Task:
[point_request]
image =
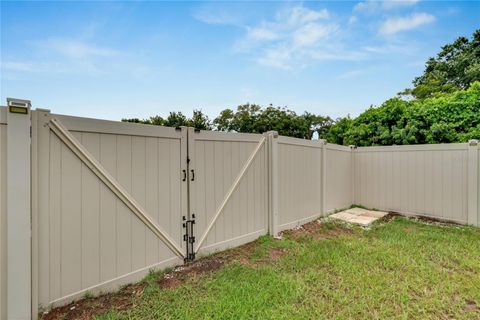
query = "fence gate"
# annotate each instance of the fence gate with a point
(228, 190)
(109, 199)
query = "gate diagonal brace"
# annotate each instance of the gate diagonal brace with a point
(79, 150)
(229, 194)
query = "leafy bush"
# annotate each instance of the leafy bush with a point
(447, 117)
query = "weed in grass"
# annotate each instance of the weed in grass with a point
(88, 295)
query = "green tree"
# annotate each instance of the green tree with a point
(252, 118)
(316, 123)
(200, 121)
(455, 67)
(224, 121)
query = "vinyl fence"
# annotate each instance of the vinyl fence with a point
(439, 181)
(109, 200)
(3, 213)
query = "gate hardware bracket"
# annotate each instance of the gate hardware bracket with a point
(189, 238)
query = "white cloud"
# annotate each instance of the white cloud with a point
(371, 6)
(73, 56)
(76, 49)
(351, 74)
(215, 14)
(294, 37)
(311, 33)
(297, 37)
(394, 25)
(17, 66)
(277, 58)
(299, 15)
(262, 33)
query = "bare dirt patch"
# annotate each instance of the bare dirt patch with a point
(471, 306)
(180, 274)
(317, 231)
(276, 253)
(428, 220)
(87, 309)
(389, 217)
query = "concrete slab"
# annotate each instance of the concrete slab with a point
(359, 216)
(356, 211)
(344, 215)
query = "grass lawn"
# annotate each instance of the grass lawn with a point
(401, 268)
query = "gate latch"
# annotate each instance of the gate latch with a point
(189, 239)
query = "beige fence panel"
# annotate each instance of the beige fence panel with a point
(228, 181)
(3, 213)
(109, 198)
(299, 181)
(339, 177)
(88, 238)
(428, 180)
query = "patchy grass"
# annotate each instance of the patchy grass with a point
(400, 268)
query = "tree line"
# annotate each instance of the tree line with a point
(443, 106)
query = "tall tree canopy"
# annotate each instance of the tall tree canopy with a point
(455, 67)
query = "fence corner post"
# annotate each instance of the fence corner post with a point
(19, 284)
(352, 172)
(323, 170)
(272, 139)
(473, 215)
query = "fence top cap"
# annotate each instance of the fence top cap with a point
(42, 110)
(272, 132)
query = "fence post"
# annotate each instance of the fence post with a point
(272, 137)
(352, 172)
(323, 170)
(18, 209)
(472, 196)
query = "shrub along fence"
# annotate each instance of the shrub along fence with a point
(88, 205)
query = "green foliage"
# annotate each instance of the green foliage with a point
(456, 67)
(447, 117)
(252, 118)
(177, 119)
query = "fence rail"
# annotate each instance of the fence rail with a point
(111, 200)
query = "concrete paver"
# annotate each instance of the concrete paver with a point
(360, 216)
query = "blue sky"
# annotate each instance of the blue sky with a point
(136, 59)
